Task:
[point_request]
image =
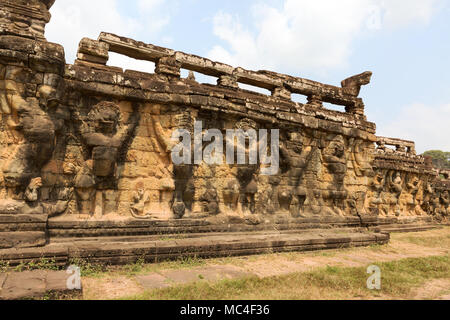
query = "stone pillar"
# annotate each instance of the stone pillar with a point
(228, 81)
(92, 51)
(357, 108)
(282, 92)
(169, 66)
(315, 100)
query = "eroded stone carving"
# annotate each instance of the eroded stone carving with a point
(336, 164)
(105, 139)
(89, 141)
(25, 18)
(353, 84)
(294, 157)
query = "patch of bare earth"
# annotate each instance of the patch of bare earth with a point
(433, 290)
(109, 288)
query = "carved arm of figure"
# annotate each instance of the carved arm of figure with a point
(358, 157)
(163, 138)
(429, 189)
(140, 198)
(413, 185)
(32, 191)
(377, 184)
(58, 208)
(445, 199)
(396, 183)
(284, 154)
(10, 105)
(124, 132)
(11, 100)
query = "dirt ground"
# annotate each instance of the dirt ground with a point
(115, 284)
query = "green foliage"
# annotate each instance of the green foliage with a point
(88, 269)
(4, 266)
(440, 158)
(41, 264)
(135, 268)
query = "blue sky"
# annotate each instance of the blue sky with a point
(404, 42)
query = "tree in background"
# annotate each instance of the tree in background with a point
(440, 158)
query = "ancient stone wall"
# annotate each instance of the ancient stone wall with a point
(89, 141)
(324, 155)
(405, 183)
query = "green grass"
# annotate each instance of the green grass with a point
(88, 269)
(442, 241)
(139, 267)
(438, 238)
(399, 278)
(4, 266)
(41, 264)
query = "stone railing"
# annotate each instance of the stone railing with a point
(398, 154)
(170, 63)
(402, 147)
(405, 183)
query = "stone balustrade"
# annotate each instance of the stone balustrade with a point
(403, 147)
(170, 62)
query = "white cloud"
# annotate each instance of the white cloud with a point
(400, 13)
(310, 35)
(154, 14)
(74, 19)
(428, 126)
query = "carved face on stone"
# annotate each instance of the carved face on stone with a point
(105, 118)
(50, 95)
(379, 178)
(246, 124)
(337, 147)
(295, 143)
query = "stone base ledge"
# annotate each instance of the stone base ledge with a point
(403, 228)
(92, 228)
(122, 251)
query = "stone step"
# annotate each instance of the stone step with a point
(403, 228)
(180, 236)
(129, 250)
(35, 284)
(84, 229)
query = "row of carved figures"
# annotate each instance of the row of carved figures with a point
(399, 193)
(311, 180)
